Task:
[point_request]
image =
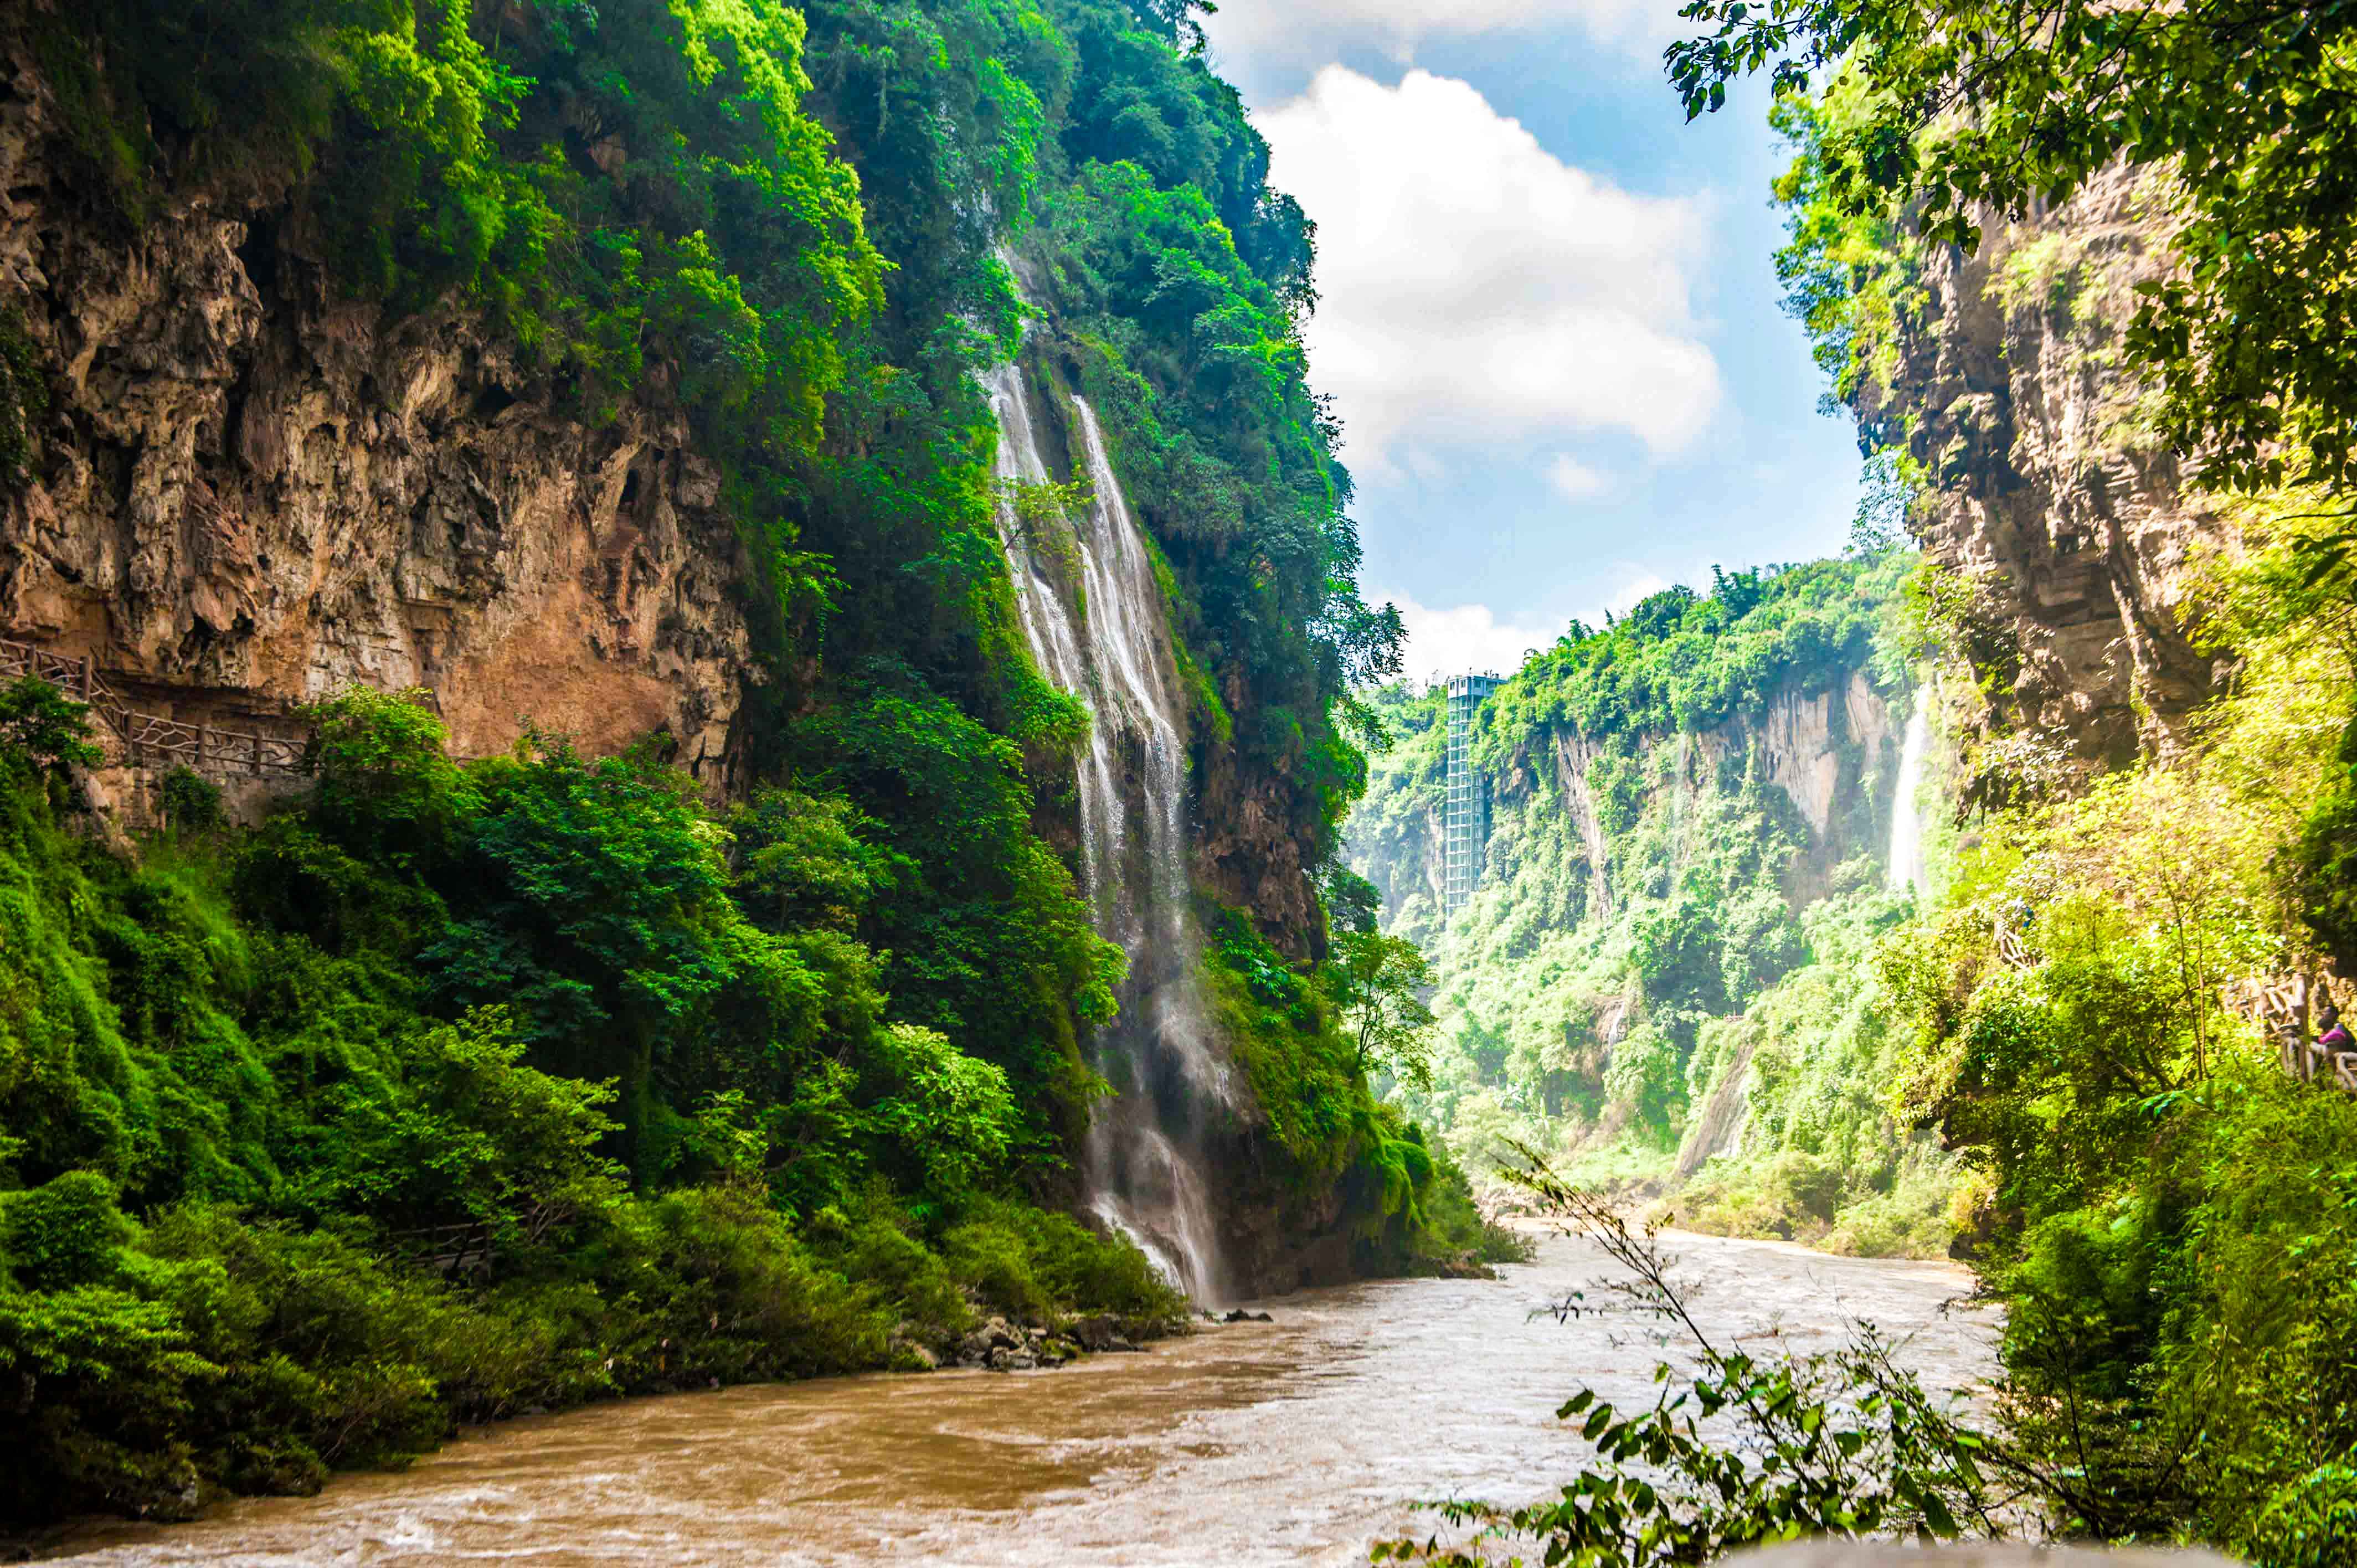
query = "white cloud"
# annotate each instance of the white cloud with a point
(1574, 481)
(1312, 31)
(1475, 288)
(1468, 637)
(1643, 586)
(1443, 642)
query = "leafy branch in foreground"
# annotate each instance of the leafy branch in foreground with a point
(1847, 1443)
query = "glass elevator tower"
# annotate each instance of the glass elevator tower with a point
(1466, 829)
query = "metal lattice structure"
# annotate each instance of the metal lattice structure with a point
(1466, 831)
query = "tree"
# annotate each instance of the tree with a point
(598, 896)
(43, 731)
(480, 1135)
(1846, 1445)
(1379, 983)
(387, 786)
(1973, 107)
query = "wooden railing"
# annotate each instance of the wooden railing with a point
(19, 659)
(151, 740)
(471, 1247)
(2284, 1007)
(448, 1250)
(2012, 950)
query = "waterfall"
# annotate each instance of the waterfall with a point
(1142, 1159)
(1906, 867)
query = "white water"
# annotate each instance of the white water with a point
(1143, 1159)
(1906, 867)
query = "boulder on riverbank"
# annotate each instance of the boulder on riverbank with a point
(1008, 1347)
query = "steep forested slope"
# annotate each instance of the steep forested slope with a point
(2079, 272)
(1664, 966)
(690, 980)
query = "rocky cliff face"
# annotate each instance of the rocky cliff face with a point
(1832, 755)
(2061, 512)
(248, 492)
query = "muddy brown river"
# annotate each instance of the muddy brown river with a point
(1284, 1443)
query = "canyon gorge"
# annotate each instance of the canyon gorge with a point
(712, 848)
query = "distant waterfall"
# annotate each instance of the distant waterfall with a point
(1906, 868)
(1142, 1159)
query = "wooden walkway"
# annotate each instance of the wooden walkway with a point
(2284, 1007)
(151, 740)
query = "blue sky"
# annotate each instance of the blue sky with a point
(1549, 313)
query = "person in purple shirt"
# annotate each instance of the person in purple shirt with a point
(2332, 1037)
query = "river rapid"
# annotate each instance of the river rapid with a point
(1292, 1442)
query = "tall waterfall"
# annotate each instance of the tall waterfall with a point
(1143, 1161)
(1906, 868)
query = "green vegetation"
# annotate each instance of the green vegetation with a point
(464, 1089)
(2162, 1210)
(1682, 661)
(1965, 109)
(456, 1089)
(1847, 1444)
(1413, 1205)
(1668, 961)
(2158, 1204)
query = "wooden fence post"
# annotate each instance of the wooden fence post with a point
(2298, 1029)
(89, 674)
(201, 748)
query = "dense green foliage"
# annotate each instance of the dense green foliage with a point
(1412, 1204)
(462, 1088)
(1684, 660)
(2162, 1209)
(1849, 272)
(793, 225)
(1665, 953)
(1968, 107)
(2158, 1205)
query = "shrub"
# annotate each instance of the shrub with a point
(191, 802)
(2312, 1524)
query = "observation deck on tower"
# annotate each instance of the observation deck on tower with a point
(1466, 829)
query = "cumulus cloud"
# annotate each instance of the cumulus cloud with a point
(1442, 642)
(1474, 287)
(1643, 585)
(1574, 481)
(1317, 30)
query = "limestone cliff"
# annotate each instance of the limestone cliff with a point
(248, 491)
(1688, 808)
(2063, 515)
(1830, 756)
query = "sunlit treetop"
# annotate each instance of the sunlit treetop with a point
(1978, 109)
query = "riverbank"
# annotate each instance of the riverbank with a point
(1258, 1445)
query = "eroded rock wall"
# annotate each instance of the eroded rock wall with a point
(248, 492)
(1834, 754)
(2054, 500)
